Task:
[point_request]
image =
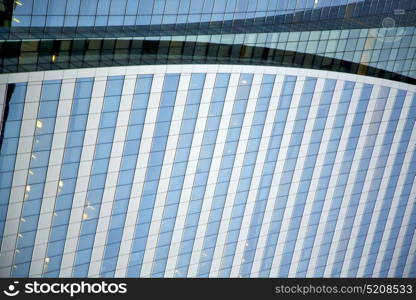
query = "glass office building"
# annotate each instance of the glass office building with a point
(188, 138)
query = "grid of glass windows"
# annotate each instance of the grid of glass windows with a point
(36, 176)
(306, 176)
(241, 196)
(360, 206)
(126, 175)
(405, 136)
(178, 173)
(287, 174)
(363, 162)
(154, 167)
(343, 176)
(372, 51)
(202, 173)
(324, 177)
(12, 120)
(390, 49)
(98, 175)
(376, 182)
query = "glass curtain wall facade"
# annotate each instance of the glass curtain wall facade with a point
(189, 138)
(367, 37)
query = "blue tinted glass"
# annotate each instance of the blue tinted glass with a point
(41, 7)
(224, 174)
(8, 146)
(178, 172)
(148, 196)
(265, 181)
(56, 7)
(143, 85)
(72, 7)
(340, 189)
(99, 169)
(246, 175)
(36, 177)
